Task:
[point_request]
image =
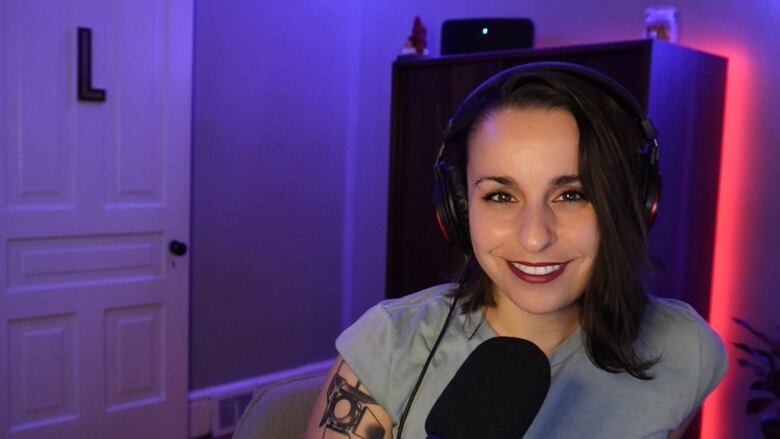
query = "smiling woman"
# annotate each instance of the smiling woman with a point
(547, 178)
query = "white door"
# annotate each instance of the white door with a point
(93, 305)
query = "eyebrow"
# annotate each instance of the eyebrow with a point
(561, 180)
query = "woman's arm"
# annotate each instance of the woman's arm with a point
(345, 409)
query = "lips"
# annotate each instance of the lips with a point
(537, 272)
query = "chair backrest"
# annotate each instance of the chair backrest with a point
(280, 410)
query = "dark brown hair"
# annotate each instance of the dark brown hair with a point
(613, 303)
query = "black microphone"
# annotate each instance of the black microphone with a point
(495, 394)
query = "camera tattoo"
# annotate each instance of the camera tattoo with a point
(348, 410)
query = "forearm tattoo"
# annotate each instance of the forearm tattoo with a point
(349, 410)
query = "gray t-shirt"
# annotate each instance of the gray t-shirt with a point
(388, 345)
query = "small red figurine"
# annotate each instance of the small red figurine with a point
(418, 40)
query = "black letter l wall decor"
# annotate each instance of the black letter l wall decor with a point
(85, 90)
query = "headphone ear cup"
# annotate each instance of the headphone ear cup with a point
(451, 206)
(652, 196)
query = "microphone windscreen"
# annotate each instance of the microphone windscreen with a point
(496, 393)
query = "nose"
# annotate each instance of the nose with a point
(536, 231)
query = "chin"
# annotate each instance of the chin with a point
(542, 303)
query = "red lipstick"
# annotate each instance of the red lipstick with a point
(537, 278)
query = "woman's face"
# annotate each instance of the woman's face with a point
(533, 231)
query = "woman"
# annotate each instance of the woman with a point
(545, 190)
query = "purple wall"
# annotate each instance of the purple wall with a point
(291, 135)
(269, 145)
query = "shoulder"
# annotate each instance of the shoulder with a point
(419, 307)
(685, 344)
(390, 324)
(674, 320)
(393, 329)
(405, 313)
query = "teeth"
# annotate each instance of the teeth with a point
(536, 271)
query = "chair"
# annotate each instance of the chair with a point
(280, 410)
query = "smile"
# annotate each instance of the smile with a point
(538, 272)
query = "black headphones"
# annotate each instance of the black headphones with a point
(449, 199)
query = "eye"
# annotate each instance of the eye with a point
(499, 197)
(571, 196)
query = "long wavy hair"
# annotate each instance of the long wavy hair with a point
(613, 303)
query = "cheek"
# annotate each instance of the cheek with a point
(585, 236)
(486, 232)
(476, 228)
(479, 224)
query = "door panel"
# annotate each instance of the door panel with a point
(43, 366)
(134, 339)
(38, 139)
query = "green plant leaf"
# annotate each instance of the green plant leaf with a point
(759, 354)
(747, 326)
(764, 357)
(758, 370)
(756, 405)
(760, 385)
(773, 382)
(773, 343)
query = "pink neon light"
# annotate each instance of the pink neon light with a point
(735, 160)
